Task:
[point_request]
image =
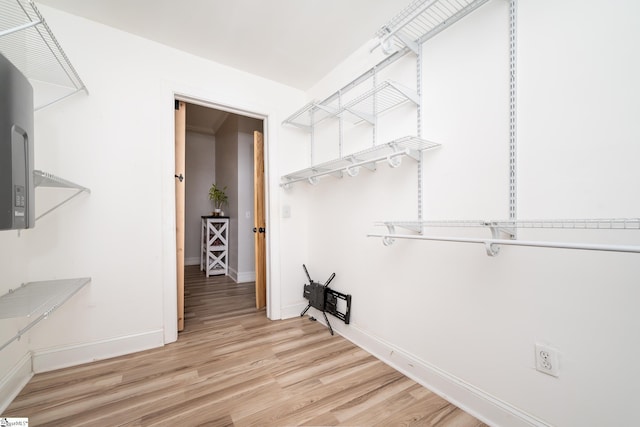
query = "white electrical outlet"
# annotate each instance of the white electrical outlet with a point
(547, 360)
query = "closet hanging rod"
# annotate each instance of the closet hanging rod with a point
(492, 251)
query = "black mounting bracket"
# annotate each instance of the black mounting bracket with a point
(322, 298)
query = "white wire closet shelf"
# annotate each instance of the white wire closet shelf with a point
(27, 41)
(385, 96)
(392, 152)
(588, 224)
(422, 20)
(311, 114)
(44, 179)
(405, 33)
(509, 226)
(37, 300)
(417, 23)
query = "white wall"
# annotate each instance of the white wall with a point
(457, 320)
(444, 313)
(118, 141)
(227, 178)
(201, 170)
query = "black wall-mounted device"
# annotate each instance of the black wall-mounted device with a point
(325, 299)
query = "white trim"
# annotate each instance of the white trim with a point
(168, 215)
(170, 91)
(14, 381)
(294, 310)
(242, 277)
(63, 357)
(233, 275)
(246, 276)
(192, 261)
(487, 408)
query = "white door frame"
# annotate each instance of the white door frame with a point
(171, 92)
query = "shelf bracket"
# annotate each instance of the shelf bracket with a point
(298, 125)
(44, 179)
(408, 93)
(356, 163)
(369, 118)
(414, 154)
(492, 248)
(330, 110)
(386, 240)
(411, 44)
(371, 165)
(497, 228)
(394, 159)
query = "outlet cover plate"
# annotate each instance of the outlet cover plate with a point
(547, 360)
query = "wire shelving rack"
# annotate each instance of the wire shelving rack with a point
(36, 301)
(417, 23)
(27, 41)
(391, 152)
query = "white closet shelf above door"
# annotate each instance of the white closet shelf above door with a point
(27, 41)
(391, 152)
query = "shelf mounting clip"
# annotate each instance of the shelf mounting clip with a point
(496, 228)
(386, 240)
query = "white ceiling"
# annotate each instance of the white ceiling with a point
(295, 42)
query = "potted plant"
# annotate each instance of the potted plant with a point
(219, 198)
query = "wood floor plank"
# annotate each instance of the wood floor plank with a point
(231, 366)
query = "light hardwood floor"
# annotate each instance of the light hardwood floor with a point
(233, 366)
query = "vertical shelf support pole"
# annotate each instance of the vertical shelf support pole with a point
(374, 131)
(419, 128)
(340, 126)
(513, 160)
(311, 138)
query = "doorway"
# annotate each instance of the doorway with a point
(219, 148)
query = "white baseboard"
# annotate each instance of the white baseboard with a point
(63, 357)
(485, 407)
(246, 276)
(192, 261)
(14, 381)
(291, 311)
(243, 276)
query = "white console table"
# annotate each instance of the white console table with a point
(214, 245)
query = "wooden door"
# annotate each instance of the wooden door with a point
(181, 110)
(259, 220)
